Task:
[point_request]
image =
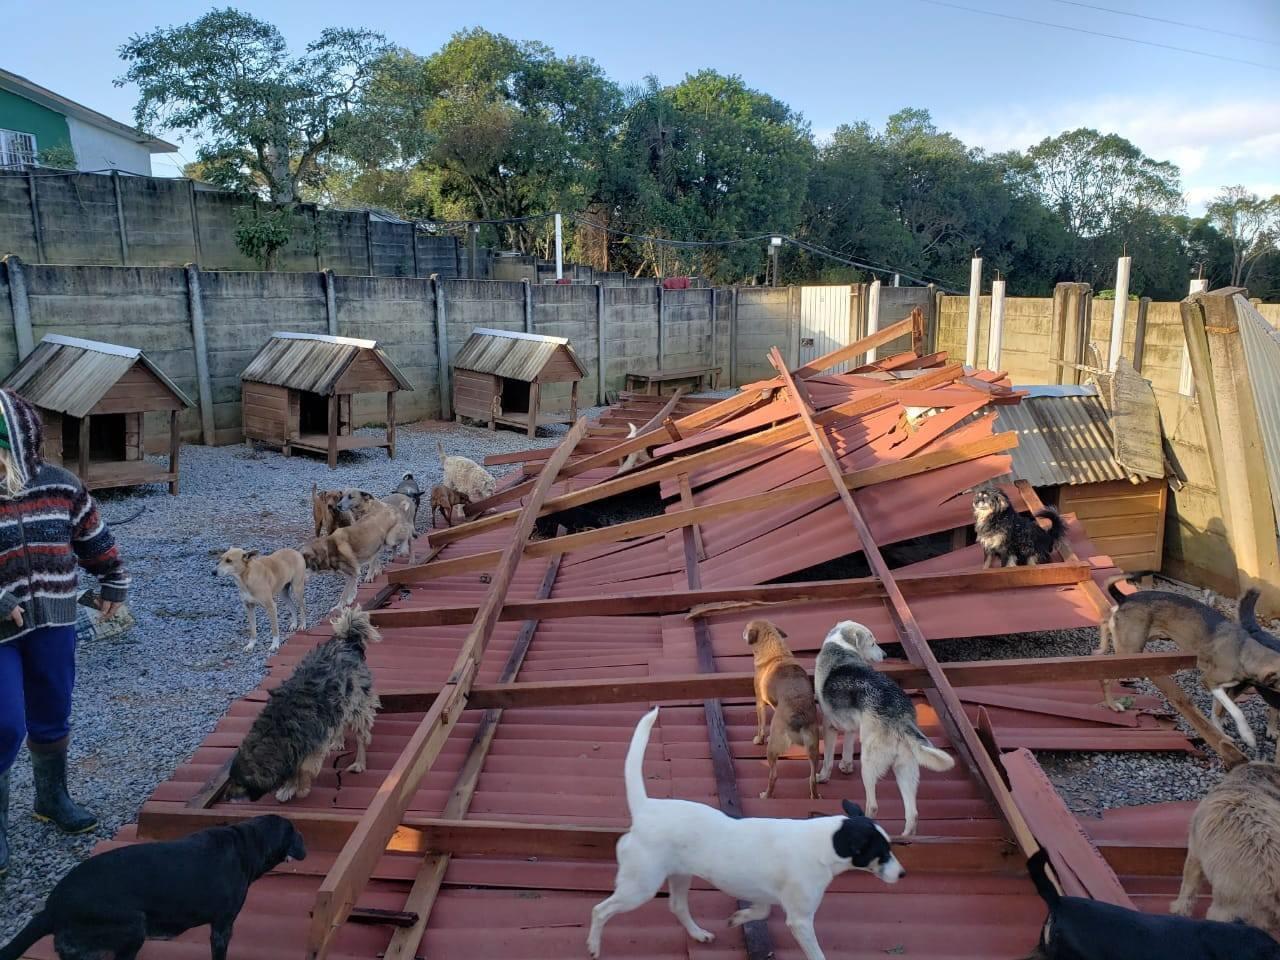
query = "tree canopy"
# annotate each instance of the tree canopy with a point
(504, 131)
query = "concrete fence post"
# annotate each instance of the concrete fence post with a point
(124, 239)
(793, 326)
(931, 320)
(873, 317)
(36, 229)
(975, 297)
(20, 303)
(1119, 311)
(1140, 333)
(368, 240)
(733, 336)
(528, 304)
(715, 354)
(196, 245)
(442, 350)
(204, 386)
(995, 338)
(330, 301)
(600, 342)
(662, 322)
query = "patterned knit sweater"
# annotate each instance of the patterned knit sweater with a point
(45, 532)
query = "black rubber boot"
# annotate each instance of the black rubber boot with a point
(53, 803)
(4, 823)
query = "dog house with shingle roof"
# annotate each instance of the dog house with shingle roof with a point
(498, 377)
(92, 397)
(297, 393)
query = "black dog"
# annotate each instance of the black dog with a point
(110, 904)
(1082, 929)
(1007, 537)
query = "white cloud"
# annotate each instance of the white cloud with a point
(1214, 143)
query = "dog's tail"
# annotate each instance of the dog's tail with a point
(1119, 597)
(440, 450)
(1249, 611)
(1040, 877)
(41, 926)
(1057, 526)
(352, 626)
(929, 756)
(633, 772)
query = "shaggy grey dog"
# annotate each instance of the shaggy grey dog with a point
(409, 488)
(309, 715)
(1008, 538)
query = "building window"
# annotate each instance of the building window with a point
(17, 149)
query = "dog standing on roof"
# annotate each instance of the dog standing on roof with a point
(783, 684)
(1008, 538)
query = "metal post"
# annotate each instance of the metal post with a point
(330, 301)
(20, 305)
(559, 249)
(195, 309)
(873, 317)
(1119, 310)
(995, 339)
(36, 229)
(442, 350)
(124, 240)
(600, 342)
(975, 296)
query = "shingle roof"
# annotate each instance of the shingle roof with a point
(313, 362)
(505, 353)
(69, 375)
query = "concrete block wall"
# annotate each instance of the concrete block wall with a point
(569, 310)
(765, 320)
(17, 228)
(78, 219)
(631, 332)
(687, 328)
(158, 221)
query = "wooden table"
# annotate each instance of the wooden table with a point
(651, 380)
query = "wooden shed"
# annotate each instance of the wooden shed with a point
(92, 397)
(1067, 450)
(498, 377)
(298, 393)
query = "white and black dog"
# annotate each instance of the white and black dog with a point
(1008, 538)
(857, 699)
(762, 861)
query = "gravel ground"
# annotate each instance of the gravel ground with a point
(144, 701)
(1093, 782)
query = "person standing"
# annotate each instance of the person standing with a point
(48, 525)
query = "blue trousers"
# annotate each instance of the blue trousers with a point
(37, 674)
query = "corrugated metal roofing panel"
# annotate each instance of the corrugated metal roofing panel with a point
(312, 362)
(70, 375)
(1262, 355)
(516, 356)
(1061, 439)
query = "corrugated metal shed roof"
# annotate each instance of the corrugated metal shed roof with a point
(506, 353)
(1262, 355)
(69, 375)
(313, 362)
(1064, 437)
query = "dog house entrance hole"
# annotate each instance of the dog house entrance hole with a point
(515, 396)
(106, 438)
(313, 413)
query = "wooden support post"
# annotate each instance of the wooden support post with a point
(354, 866)
(535, 397)
(573, 401)
(918, 332)
(120, 224)
(333, 431)
(391, 424)
(175, 443)
(443, 377)
(945, 701)
(37, 228)
(20, 304)
(83, 465)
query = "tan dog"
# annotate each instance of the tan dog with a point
(394, 511)
(347, 549)
(783, 684)
(444, 500)
(325, 512)
(1235, 845)
(260, 579)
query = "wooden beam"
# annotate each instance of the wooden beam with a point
(1215, 738)
(855, 349)
(427, 884)
(354, 865)
(735, 686)
(945, 701)
(624, 604)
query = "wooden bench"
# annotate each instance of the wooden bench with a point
(651, 380)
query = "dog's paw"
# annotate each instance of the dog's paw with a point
(1180, 908)
(824, 777)
(248, 647)
(846, 766)
(765, 795)
(286, 793)
(739, 917)
(593, 948)
(703, 936)
(757, 740)
(354, 768)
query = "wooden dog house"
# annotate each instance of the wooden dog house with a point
(298, 390)
(498, 377)
(92, 397)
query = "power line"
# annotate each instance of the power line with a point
(1099, 33)
(1174, 23)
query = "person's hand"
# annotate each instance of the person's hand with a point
(16, 615)
(108, 608)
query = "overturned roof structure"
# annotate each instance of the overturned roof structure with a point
(513, 671)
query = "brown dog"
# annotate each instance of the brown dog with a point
(260, 578)
(783, 684)
(325, 512)
(444, 500)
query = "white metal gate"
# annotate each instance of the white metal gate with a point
(825, 322)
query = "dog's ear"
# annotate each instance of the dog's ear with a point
(250, 553)
(851, 809)
(781, 633)
(752, 634)
(297, 849)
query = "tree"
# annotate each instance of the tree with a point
(266, 120)
(1251, 224)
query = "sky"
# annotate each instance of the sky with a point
(997, 83)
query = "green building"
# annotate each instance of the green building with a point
(34, 121)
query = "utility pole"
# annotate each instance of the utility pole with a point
(775, 244)
(559, 249)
